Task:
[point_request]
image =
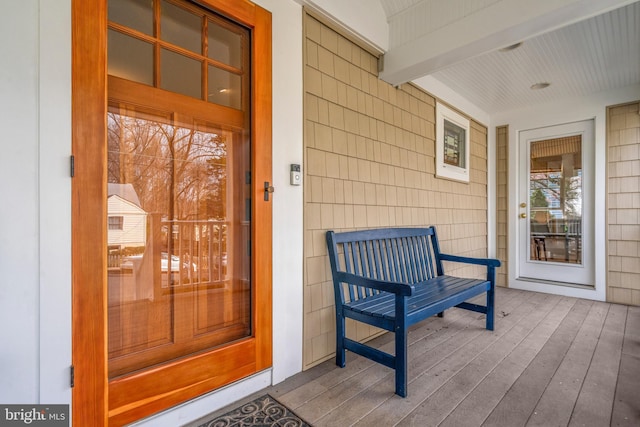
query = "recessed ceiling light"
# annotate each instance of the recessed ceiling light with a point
(540, 86)
(512, 47)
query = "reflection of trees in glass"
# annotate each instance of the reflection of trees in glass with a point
(545, 186)
(573, 204)
(554, 190)
(538, 199)
(178, 172)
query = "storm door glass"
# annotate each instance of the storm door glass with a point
(178, 274)
(178, 184)
(556, 205)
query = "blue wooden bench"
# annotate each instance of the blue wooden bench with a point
(393, 278)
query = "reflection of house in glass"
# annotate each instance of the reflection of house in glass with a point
(127, 220)
(142, 244)
(126, 239)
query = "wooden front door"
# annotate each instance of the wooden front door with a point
(171, 229)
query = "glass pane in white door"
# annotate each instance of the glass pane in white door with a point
(555, 200)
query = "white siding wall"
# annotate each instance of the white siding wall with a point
(35, 260)
(134, 223)
(19, 296)
(133, 231)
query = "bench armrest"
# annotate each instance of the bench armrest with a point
(381, 285)
(489, 262)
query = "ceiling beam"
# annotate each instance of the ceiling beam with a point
(502, 24)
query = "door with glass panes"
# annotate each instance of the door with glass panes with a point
(180, 175)
(555, 212)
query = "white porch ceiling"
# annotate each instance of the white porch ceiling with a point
(594, 54)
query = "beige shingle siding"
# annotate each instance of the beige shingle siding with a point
(369, 162)
(623, 204)
(502, 199)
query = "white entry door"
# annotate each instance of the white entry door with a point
(556, 204)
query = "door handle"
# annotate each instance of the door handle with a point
(268, 189)
(523, 215)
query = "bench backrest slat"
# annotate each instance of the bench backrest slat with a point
(415, 262)
(426, 256)
(406, 255)
(387, 259)
(416, 268)
(350, 259)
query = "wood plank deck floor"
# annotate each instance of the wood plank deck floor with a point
(551, 361)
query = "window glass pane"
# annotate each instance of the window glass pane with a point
(225, 45)
(116, 222)
(555, 196)
(454, 144)
(136, 14)
(225, 88)
(181, 27)
(180, 74)
(130, 58)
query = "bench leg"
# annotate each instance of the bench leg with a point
(401, 361)
(491, 296)
(341, 359)
(441, 314)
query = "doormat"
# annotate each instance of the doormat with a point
(264, 411)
